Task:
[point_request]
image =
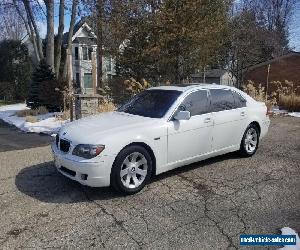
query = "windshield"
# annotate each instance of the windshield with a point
(151, 103)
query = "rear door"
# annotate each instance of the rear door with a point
(228, 117)
(187, 139)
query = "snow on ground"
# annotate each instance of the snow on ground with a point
(47, 123)
(294, 114)
(278, 111)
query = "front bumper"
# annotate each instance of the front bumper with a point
(94, 172)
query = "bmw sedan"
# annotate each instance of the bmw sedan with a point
(158, 130)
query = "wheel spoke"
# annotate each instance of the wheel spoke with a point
(124, 172)
(126, 161)
(141, 162)
(135, 181)
(127, 181)
(141, 172)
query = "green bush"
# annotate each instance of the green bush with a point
(15, 70)
(43, 89)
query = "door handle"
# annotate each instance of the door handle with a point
(243, 113)
(207, 120)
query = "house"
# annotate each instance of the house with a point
(217, 76)
(286, 67)
(83, 44)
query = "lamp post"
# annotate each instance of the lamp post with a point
(267, 87)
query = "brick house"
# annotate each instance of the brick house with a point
(286, 67)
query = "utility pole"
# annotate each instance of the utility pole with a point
(267, 87)
(94, 72)
(70, 82)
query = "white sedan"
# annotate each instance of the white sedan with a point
(158, 130)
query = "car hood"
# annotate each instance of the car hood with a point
(90, 129)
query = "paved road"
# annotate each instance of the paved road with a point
(201, 206)
(13, 139)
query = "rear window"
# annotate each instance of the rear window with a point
(240, 101)
(222, 99)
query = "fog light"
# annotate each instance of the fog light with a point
(83, 177)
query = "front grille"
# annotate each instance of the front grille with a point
(67, 171)
(64, 145)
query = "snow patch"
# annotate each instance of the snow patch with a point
(47, 124)
(294, 114)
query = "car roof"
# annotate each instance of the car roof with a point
(186, 87)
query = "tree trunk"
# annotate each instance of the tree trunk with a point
(29, 30)
(60, 36)
(36, 31)
(70, 35)
(50, 33)
(100, 16)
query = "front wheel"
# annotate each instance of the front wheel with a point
(249, 143)
(131, 170)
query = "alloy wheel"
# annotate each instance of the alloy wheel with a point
(134, 170)
(251, 140)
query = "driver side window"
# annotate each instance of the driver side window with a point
(196, 103)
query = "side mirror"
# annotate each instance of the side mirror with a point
(182, 115)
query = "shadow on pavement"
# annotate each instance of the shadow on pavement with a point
(11, 138)
(44, 183)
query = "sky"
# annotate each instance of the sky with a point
(294, 26)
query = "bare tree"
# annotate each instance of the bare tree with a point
(60, 36)
(50, 33)
(71, 29)
(11, 24)
(33, 26)
(259, 31)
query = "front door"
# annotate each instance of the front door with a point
(88, 83)
(191, 138)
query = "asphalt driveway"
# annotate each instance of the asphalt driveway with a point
(13, 139)
(206, 205)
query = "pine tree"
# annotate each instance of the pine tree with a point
(43, 73)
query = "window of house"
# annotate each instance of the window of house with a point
(109, 64)
(90, 50)
(77, 80)
(76, 53)
(85, 53)
(88, 80)
(196, 102)
(221, 99)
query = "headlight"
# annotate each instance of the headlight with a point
(88, 151)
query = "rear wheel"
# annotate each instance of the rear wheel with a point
(249, 143)
(131, 170)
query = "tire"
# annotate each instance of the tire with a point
(131, 170)
(250, 141)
